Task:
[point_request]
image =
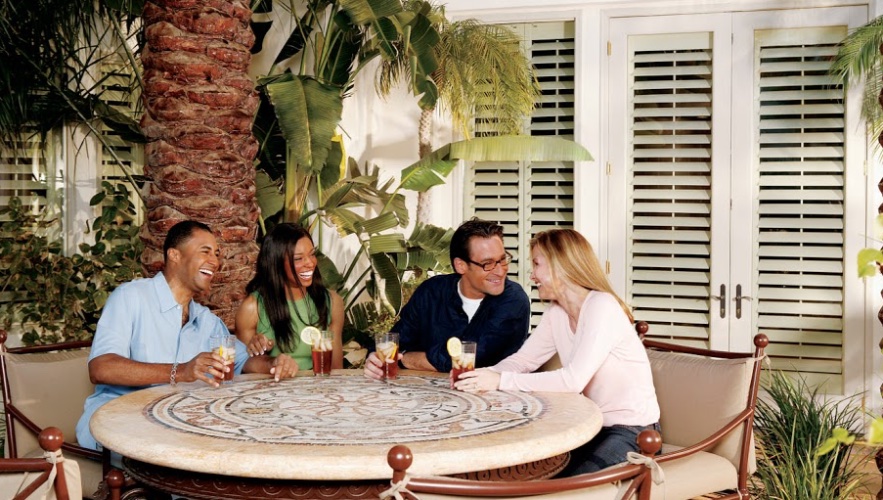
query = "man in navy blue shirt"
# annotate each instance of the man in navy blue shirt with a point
(476, 303)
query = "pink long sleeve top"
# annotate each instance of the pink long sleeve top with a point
(603, 359)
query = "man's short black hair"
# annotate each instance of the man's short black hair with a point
(474, 227)
(180, 233)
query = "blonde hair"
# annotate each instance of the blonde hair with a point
(572, 259)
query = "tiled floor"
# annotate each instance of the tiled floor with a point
(871, 480)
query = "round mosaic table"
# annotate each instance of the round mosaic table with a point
(335, 429)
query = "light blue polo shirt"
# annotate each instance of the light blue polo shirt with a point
(141, 321)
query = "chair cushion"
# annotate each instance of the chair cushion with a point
(12, 483)
(50, 389)
(698, 395)
(695, 475)
(90, 472)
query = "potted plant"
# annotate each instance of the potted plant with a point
(796, 457)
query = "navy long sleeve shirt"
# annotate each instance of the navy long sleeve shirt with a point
(435, 313)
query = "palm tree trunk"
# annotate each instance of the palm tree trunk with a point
(424, 147)
(199, 106)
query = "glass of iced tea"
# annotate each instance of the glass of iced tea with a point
(322, 347)
(225, 347)
(465, 362)
(387, 346)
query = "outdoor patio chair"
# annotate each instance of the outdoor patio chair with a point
(45, 478)
(43, 386)
(707, 401)
(629, 480)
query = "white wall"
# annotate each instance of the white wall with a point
(383, 132)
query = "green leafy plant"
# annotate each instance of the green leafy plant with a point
(303, 90)
(792, 426)
(375, 281)
(55, 297)
(53, 56)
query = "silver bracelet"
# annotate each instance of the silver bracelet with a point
(173, 374)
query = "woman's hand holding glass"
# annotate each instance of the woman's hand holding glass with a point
(483, 379)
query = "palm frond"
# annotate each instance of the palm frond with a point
(858, 60)
(481, 71)
(35, 72)
(859, 52)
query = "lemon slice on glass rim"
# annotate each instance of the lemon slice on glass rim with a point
(455, 348)
(310, 334)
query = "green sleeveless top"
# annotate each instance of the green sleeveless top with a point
(301, 308)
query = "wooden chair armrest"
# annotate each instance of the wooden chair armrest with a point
(400, 458)
(50, 440)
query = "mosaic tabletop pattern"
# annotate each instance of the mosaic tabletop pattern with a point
(340, 427)
(326, 411)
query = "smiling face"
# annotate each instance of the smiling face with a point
(193, 263)
(541, 275)
(304, 262)
(475, 282)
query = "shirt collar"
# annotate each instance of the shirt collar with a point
(167, 301)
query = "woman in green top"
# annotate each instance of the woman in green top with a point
(287, 295)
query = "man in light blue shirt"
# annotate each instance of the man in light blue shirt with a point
(152, 332)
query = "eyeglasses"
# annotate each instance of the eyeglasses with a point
(492, 264)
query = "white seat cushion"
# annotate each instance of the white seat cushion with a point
(699, 395)
(694, 475)
(12, 483)
(50, 389)
(90, 472)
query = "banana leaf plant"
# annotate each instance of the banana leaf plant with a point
(303, 92)
(390, 254)
(385, 258)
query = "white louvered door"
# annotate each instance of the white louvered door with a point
(532, 197)
(731, 172)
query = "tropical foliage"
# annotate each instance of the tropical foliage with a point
(302, 157)
(792, 425)
(482, 72)
(57, 297)
(48, 84)
(303, 91)
(858, 61)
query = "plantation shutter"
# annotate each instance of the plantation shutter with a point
(800, 192)
(24, 173)
(670, 118)
(733, 172)
(120, 157)
(527, 198)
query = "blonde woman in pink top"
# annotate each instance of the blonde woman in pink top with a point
(592, 331)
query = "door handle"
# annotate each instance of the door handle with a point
(722, 298)
(738, 299)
